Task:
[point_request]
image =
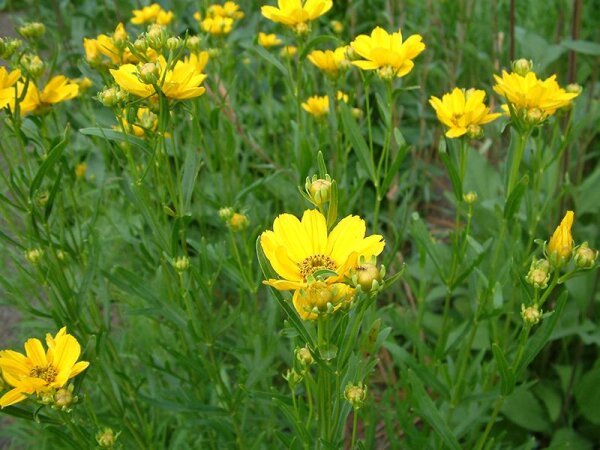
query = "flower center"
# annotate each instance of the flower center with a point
(316, 262)
(47, 373)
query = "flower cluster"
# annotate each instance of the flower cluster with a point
(219, 19)
(316, 264)
(152, 14)
(297, 14)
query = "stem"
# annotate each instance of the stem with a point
(354, 426)
(490, 424)
(516, 162)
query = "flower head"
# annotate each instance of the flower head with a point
(39, 371)
(217, 25)
(152, 14)
(332, 62)
(268, 40)
(560, 246)
(297, 249)
(58, 89)
(228, 9)
(531, 98)
(7, 81)
(181, 82)
(296, 14)
(463, 112)
(387, 53)
(317, 105)
(319, 298)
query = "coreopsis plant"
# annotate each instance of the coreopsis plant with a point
(463, 112)
(331, 62)
(38, 371)
(389, 54)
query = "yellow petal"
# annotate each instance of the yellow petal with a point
(11, 397)
(35, 352)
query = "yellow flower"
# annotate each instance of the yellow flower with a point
(40, 371)
(80, 170)
(387, 53)
(58, 89)
(146, 120)
(217, 26)
(297, 249)
(228, 9)
(316, 297)
(268, 40)
(317, 105)
(296, 14)
(180, 82)
(289, 50)
(199, 60)
(152, 14)
(7, 81)
(330, 62)
(463, 112)
(560, 246)
(531, 96)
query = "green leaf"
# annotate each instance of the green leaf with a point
(191, 167)
(513, 202)
(428, 411)
(117, 136)
(358, 141)
(452, 172)
(393, 170)
(507, 376)
(587, 395)
(264, 54)
(525, 410)
(53, 156)
(423, 238)
(585, 47)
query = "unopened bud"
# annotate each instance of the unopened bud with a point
(387, 73)
(141, 45)
(149, 73)
(292, 377)
(574, 88)
(120, 37)
(32, 30)
(535, 116)
(474, 131)
(304, 356)
(531, 315)
(193, 44)
(522, 66)
(318, 189)
(111, 96)
(106, 438)
(302, 29)
(355, 394)
(80, 170)
(63, 398)
(173, 43)
(585, 257)
(539, 273)
(8, 47)
(225, 213)
(33, 65)
(470, 197)
(34, 255)
(181, 264)
(337, 26)
(367, 276)
(156, 36)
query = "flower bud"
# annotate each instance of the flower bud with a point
(34, 255)
(539, 274)
(193, 44)
(531, 315)
(8, 47)
(302, 29)
(289, 51)
(470, 197)
(535, 116)
(111, 96)
(141, 45)
(585, 257)
(522, 66)
(355, 394)
(474, 131)
(574, 88)
(173, 43)
(63, 398)
(32, 30)
(238, 222)
(149, 73)
(337, 26)
(304, 356)
(156, 36)
(33, 65)
(318, 189)
(367, 276)
(225, 213)
(387, 73)
(356, 113)
(560, 246)
(84, 83)
(292, 377)
(181, 264)
(214, 52)
(106, 438)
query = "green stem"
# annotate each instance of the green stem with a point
(354, 427)
(516, 162)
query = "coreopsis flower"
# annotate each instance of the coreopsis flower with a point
(531, 314)
(387, 53)
(268, 40)
(217, 25)
(532, 99)
(40, 372)
(296, 14)
(560, 246)
(332, 62)
(297, 248)
(7, 82)
(317, 105)
(463, 112)
(152, 14)
(58, 89)
(180, 82)
(228, 9)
